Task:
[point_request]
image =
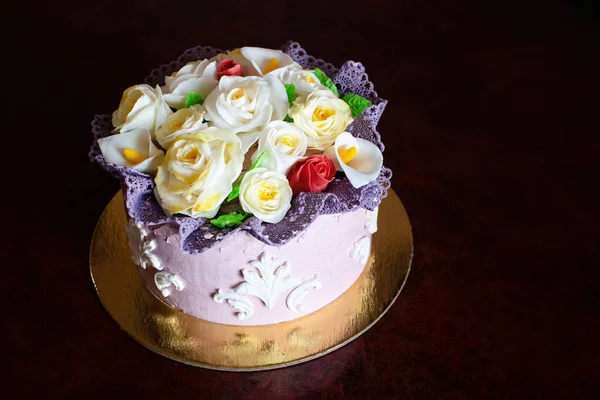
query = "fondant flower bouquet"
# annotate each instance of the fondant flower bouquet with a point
(253, 138)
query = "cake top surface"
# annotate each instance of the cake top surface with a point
(254, 139)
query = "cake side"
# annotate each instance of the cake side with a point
(243, 281)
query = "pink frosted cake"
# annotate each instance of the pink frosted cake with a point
(252, 180)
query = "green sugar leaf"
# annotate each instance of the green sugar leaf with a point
(193, 98)
(357, 103)
(227, 220)
(325, 81)
(256, 163)
(290, 89)
(235, 193)
(288, 119)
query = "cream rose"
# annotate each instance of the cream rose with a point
(266, 194)
(305, 81)
(197, 76)
(321, 116)
(198, 172)
(182, 122)
(141, 107)
(245, 105)
(133, 149)
(284, 143)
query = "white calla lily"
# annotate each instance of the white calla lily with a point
(132, 149)
(182, 122)
(141, 107)
(264, 61)
(266, 194)
(245, 105)
(304, 81)
(197, 76)
(359, 159)
(198, 172)
(284, 143)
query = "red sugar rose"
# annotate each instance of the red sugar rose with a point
(312, 174)
(229, 68)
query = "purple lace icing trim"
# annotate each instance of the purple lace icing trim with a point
(197, 235)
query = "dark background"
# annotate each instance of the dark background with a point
(491, 131)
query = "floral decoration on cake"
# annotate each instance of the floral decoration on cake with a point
(256, 139)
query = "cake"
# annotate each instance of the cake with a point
(251, 178)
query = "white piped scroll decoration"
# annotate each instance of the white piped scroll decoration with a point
(141, 248)
(165, 282)
(269, 281)
(371, 220)
(240, 303)
(361, 250)
(298, 295)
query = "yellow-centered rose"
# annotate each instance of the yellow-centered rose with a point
(304, 81)
(245, 105)
(322, 117)
(266, 194)
(284, 143)
(198, 172)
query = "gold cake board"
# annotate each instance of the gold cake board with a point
(194, 341)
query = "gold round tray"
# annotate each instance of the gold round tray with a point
(194, 341)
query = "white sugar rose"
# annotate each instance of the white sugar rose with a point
(284, 144)
(245, 105)
(182, 122)
(266, 194)
(198, 172)
(197, 76)
(321, 116)
(141, 107)
(305, 81)
(132, 149)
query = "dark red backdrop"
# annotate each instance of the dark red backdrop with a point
(491, 130)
